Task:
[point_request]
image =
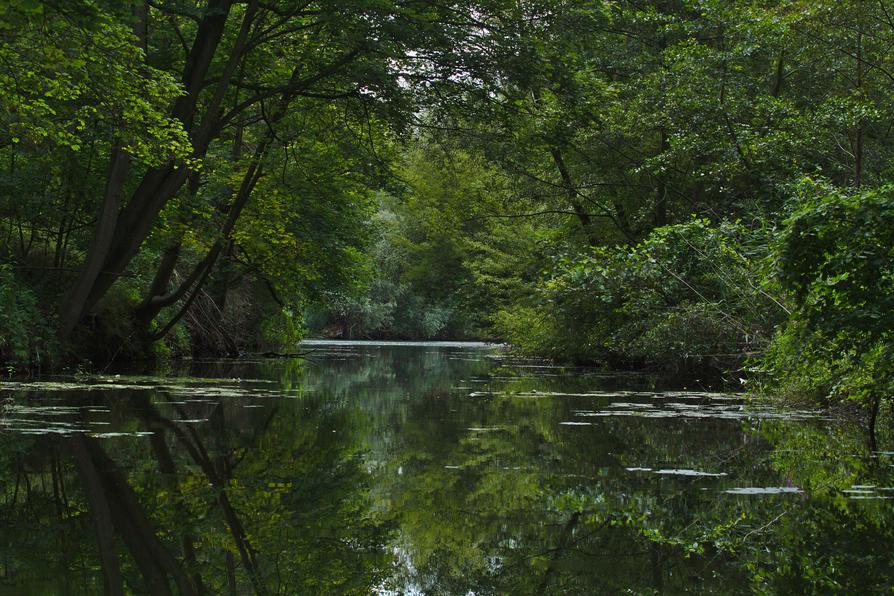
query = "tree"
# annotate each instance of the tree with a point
(241, 66)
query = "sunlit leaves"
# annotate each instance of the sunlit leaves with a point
(63, 79)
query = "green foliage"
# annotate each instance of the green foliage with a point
(281, 330)
(70, 72)
(836, 263)
(685, 294)
(25, 335)
(424, 254)
(111, 335)
(836, 266)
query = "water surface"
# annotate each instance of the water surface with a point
(429, 469)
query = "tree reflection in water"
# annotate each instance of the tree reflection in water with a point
(437, 471)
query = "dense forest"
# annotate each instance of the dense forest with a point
(672, 184)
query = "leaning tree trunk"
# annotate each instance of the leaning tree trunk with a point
(121, 232)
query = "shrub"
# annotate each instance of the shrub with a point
(834, 261)
(687, 293)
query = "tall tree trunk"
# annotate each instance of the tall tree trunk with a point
(160, 283)
(874, 406)
(194, 282)
(197, 278)
(72, 309)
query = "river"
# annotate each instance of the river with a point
(429, 468)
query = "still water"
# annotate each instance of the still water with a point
(429, 469)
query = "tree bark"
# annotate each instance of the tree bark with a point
(159, 286)
(73, 310)
(780, 75)
(193, 283)
(159, 185)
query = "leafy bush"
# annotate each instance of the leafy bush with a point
(687, 293)
(835, 263)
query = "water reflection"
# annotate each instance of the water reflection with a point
(428, 469)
